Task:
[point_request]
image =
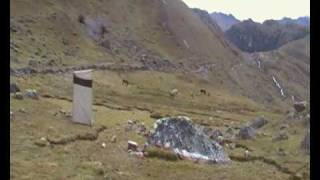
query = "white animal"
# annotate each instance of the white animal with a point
(246, 154)
(174, 92)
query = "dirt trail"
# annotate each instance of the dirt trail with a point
(69, 69)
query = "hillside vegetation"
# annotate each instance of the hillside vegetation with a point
(155, 46)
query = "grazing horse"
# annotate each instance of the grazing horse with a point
(203, 91)
(125, 82)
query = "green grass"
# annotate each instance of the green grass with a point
(74, 160)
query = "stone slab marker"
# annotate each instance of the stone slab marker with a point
(82, 97)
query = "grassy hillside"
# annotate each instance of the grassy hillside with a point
(177, 49)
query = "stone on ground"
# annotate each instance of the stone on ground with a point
(186, 140)
(247, 132)
(259, 122)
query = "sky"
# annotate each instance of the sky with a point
(257, 10)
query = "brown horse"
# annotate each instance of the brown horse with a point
(125, 82)
(203, 91)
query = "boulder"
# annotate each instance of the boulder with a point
(187, 140)
(14, 88)
(259, 122)
(300, 106)
(247, 132)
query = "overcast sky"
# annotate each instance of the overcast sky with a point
(257, 10)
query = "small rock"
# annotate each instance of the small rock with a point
(22, 110)
(32, 93)
(113, 139)
(305, 144)
(284, 126)
(230, 131)
(103, 145)
(246, 133)
(300, 106)
(62, 111)
(296, 176)
(130, 122)
(259, 122)
(282, 135)
(281, 152)
(14, 88)
(156, 115)
(133, 146)
(232, 145)
(42, 142)
(18, 96)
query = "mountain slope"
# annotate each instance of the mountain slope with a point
(291, 64)
(155, 46)
(224, 21)
(172, 38)
(250, 36)
(303, 21)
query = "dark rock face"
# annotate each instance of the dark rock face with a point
(250, 36)
(247, 133)
(186, 139)
(259, 123)
(14, 88)
(305, 144)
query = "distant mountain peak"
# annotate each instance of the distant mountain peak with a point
(225, 21)
(302, 21)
